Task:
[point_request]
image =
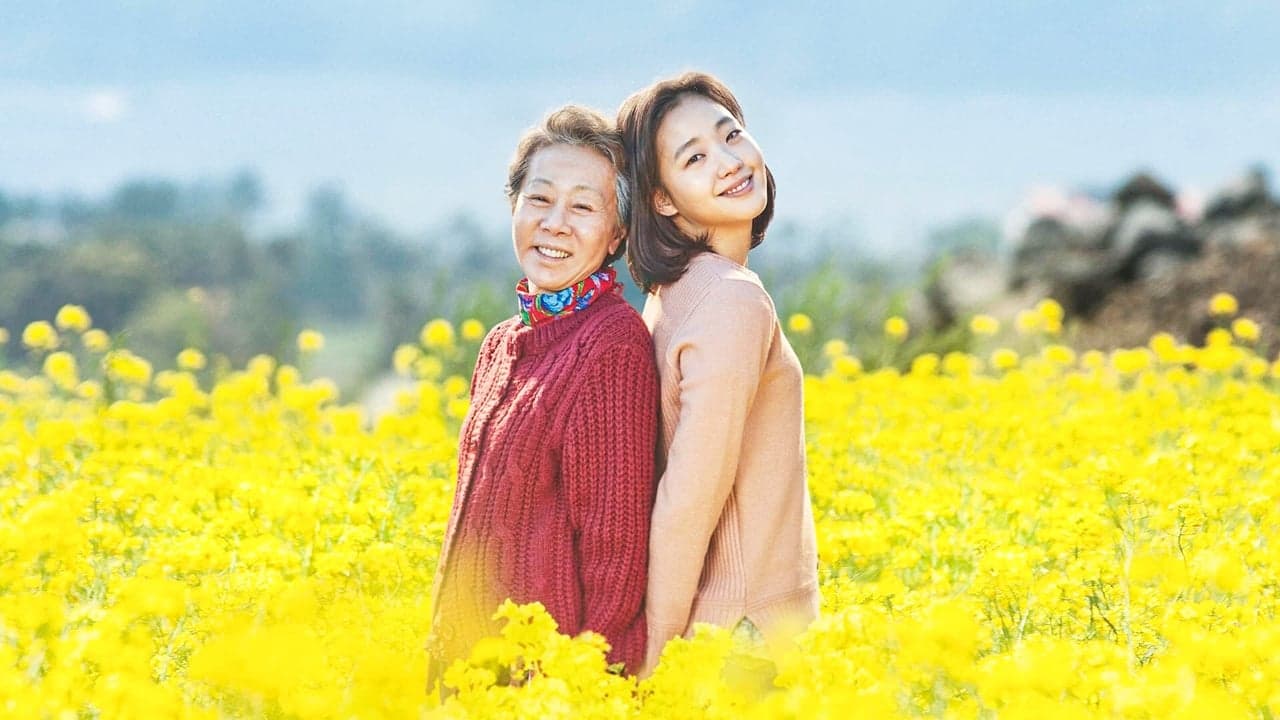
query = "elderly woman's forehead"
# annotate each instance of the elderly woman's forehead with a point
(572, 165)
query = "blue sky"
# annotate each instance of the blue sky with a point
(891, 117)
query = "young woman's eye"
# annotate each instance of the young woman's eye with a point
(693, 159)
(733, 134)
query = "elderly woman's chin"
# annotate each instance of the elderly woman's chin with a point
(552, 275)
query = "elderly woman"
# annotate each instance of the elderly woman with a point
(556, 456)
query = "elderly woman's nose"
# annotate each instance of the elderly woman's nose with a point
(555, 219)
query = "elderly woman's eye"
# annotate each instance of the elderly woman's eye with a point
(538, 199)
(583, 207)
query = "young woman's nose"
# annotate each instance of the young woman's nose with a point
(730, 163)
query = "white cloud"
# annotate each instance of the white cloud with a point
(105, 106)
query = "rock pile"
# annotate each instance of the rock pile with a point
(1178, 302)
(1141, 262)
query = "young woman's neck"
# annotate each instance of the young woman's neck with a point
(732, 242)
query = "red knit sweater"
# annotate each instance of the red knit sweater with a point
(555, 482)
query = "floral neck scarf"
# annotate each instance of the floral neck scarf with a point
(538, 308)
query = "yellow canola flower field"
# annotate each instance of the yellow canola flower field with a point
(1045, 539)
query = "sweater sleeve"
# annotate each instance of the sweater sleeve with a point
(484, 356)
(719, 353)
(608, 467)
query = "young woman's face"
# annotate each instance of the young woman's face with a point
(712, 171)
(565, 221)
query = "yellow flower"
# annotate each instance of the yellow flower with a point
(1219, 357)
(800, 323)
(4, 336)
(428, 367)
(404, 357)
(191, 359)
(95, 340)
(287, 376)
(896, 327)
(472, 330)
(310, 341)
(960, 364)
(1245, 329)
(1050, 311)
(89, 390)
(1165, 346)
(1060, 355)
(1004, 359)
(1255, 368)
(1028, 322)
(73, 317)
(458, 407)
(126, 367)
(437, 334)
(60, 367)
(455, 385)
(1129, 362)
(1218, 338)
(12, 382)
(835, 348)
(1093, 359)
(40, 335)
(261, 365)
(984, 325)
(851, 367)
(1223, 304)
(925, 364)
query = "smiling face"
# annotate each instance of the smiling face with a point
(712, 172)
(565, 220)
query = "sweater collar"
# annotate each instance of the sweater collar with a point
(536, 308)
(712, 257)
(534, 339)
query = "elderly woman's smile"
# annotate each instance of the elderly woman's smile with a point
(565, 220)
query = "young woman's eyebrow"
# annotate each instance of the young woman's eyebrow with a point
(726, 120)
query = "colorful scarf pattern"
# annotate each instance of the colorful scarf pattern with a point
(537, 308)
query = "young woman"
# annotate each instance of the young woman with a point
(732, 540)
(555, 459)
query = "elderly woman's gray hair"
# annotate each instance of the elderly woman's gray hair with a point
(578, 126)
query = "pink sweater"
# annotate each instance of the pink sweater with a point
(732, 533)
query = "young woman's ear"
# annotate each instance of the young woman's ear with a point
(662, 204)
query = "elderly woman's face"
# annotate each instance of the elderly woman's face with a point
(565, 221)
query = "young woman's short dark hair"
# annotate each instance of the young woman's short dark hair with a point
(577, 126)
(658, 251)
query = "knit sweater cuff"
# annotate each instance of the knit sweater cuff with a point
(659, 634)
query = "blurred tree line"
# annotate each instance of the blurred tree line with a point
(164, 265)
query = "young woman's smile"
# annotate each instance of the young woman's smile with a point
(741, 188)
